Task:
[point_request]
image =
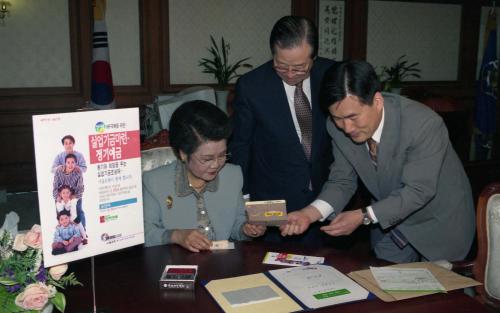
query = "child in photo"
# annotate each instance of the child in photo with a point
(66, 201)
(68, 175)
(67, 237)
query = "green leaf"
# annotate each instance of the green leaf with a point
(7, 281)
(7, 302)
(219, 65)
(59, 301)
(56, 284)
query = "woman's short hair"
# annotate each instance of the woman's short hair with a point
(196, 122)
(70, 156)
(357, 78)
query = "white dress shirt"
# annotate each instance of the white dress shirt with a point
(324, 208)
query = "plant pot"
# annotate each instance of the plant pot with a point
(221, 99)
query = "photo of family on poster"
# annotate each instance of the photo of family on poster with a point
(68, 168)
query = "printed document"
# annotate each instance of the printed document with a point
(406, 279)
(318, 286)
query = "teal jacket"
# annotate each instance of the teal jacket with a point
(225, 206)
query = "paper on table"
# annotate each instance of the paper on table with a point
(449, 279)
(222, 245)
(219, 287)
(319, 285)
(406, 279)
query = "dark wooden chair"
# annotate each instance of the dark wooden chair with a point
(486, 266)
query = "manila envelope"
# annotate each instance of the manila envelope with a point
(450, 281)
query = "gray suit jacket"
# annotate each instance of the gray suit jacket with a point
(225, 207)
(419, 186)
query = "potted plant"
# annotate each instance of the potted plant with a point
(218, 65)
(393, 76)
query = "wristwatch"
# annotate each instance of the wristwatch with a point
(366, 217)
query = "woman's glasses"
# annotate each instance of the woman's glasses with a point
(209, 161)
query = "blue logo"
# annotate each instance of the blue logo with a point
(100, 127)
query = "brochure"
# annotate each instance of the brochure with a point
(289, 259)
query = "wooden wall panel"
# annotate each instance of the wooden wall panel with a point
(17, 169)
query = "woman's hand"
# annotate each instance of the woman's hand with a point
(191, 239)
(252, 230)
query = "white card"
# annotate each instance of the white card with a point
(222, 245)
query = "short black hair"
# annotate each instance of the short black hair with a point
(196, 122)
(61, 188)
(63, 212)
(291, 31)
(357, 78)
(68, 137)
(69, 156)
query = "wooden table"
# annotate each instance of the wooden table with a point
(127, 280)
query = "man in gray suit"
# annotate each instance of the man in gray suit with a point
(422, 205)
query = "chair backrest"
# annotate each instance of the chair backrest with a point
(166, 105)
(156, 157)
(487, 264)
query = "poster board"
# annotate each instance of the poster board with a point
(97, 187)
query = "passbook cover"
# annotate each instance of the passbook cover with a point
(291, 289)
(269, 213)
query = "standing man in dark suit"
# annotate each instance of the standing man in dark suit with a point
(279, 138)
(422, 202)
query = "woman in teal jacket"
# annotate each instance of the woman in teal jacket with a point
(198, 198)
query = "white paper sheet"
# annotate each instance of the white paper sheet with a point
(319, 285)
(406, 279)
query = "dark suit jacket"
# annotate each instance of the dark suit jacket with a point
(419, 186)
(265, 143)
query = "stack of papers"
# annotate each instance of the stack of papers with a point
(406, 279)
(448, 279)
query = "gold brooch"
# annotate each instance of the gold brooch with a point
(170, 202)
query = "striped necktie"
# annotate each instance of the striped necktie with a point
(372, 149)
(304, 117)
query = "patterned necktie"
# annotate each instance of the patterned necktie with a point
(304, 117)
(372, 149)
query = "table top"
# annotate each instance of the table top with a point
(127, 280)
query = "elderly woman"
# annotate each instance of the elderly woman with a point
(198, 198)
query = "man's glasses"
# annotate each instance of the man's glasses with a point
(295, 70)
(209, 161)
